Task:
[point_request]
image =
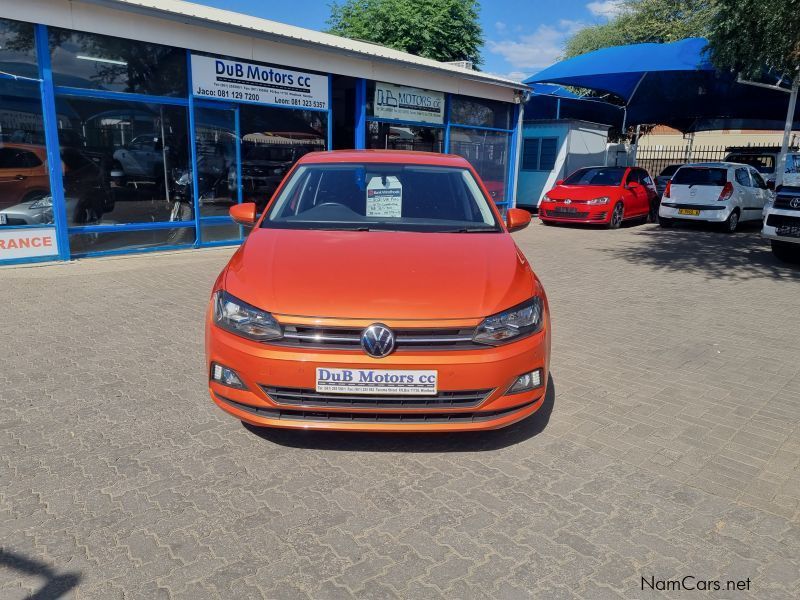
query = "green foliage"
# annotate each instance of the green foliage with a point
(445, 30)
(748, 35)
(646, 21)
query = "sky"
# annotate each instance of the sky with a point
(521, 36)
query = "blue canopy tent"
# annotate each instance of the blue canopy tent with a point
(548, 101)
(672, 84)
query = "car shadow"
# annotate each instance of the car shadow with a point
(470, 441)
(698, 248)
(56, 585)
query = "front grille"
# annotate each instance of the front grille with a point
(563, 214)
(310, 398)
(360, 417)
(341, 338)
(783, 221)
(785, 202)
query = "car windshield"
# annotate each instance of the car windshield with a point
(700, 176)
(367, 196)
(764, 163)
(596, 176)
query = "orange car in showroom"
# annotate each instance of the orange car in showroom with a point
(379, 291)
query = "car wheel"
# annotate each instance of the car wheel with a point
(617, 215)
(786, 251)
(732, 222)
(665, 222)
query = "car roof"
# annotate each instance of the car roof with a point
(407, 157)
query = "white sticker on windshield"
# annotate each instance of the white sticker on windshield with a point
(384, 197)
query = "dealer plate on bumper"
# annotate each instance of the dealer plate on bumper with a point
(376, 381)
(689, 211)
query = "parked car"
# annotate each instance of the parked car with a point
(601, 195)
(663, 178)
(722, 193)
(23, 173)
(763, 159)
(782, 216)
(86, 192)
(379, 291)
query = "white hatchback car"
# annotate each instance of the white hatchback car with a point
(724, 193)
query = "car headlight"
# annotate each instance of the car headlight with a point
(46, 202)
(600, 200)
(511, 324)
(243, 319)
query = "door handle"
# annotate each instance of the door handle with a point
(20, 178)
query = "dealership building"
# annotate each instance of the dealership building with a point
(134, 125)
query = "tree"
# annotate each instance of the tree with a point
(445, 30)
(751, 35)
(640, 21)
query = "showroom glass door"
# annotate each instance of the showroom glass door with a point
(218, 173)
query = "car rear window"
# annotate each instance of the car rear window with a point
(669, 171)
(700, 176)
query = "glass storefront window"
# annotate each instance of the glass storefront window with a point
(215, 139)
(17, 49)
(387, 136)
(219, 232)
(122, 162)
(273, 139)
(89, 60)
(85, 243)
(24, 177)
(488, 152)
(480, 112)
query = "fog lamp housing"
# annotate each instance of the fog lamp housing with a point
(526, 382)
(225, 376)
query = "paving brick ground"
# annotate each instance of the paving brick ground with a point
(670, 445)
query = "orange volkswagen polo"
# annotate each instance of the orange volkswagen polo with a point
(379, 291)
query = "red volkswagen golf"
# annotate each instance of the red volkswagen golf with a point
(601, 195)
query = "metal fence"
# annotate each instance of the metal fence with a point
(655, 158)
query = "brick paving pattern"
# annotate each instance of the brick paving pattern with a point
(669, 445)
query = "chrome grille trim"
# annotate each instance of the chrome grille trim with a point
(349, 338)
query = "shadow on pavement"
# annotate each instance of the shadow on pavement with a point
(696, 248)
(472, 441)
(55, 586)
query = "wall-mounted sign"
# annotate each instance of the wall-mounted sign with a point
(27, 243)
(235, 80)
(408, 104)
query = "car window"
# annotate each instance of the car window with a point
(14, 158)
(644, 177)
(634, 176)
(700, 176)
(669, 171)
(742, 178)
(763, 163)
(758, 180)
(793, 163)
(610, 176)
(381, 196)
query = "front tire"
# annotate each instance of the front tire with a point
(786, 251)
(617, 216)
(732, 222)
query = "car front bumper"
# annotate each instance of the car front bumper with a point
(776, 217)
(583, 213)
(263, 367)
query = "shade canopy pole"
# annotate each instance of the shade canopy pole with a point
(787, 129)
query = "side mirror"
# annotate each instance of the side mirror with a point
(633, 185)
(559, 182)
(517, 219)
(244, 213)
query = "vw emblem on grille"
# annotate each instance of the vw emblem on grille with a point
(377, 340)
(795, 203)
(567, 201)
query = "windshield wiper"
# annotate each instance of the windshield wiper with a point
(470, 230)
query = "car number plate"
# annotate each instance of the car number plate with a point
(689, 211)
(3, 219)
(788, 231)
(376, 381)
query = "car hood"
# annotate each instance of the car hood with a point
(379, 274)
(583, 192)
